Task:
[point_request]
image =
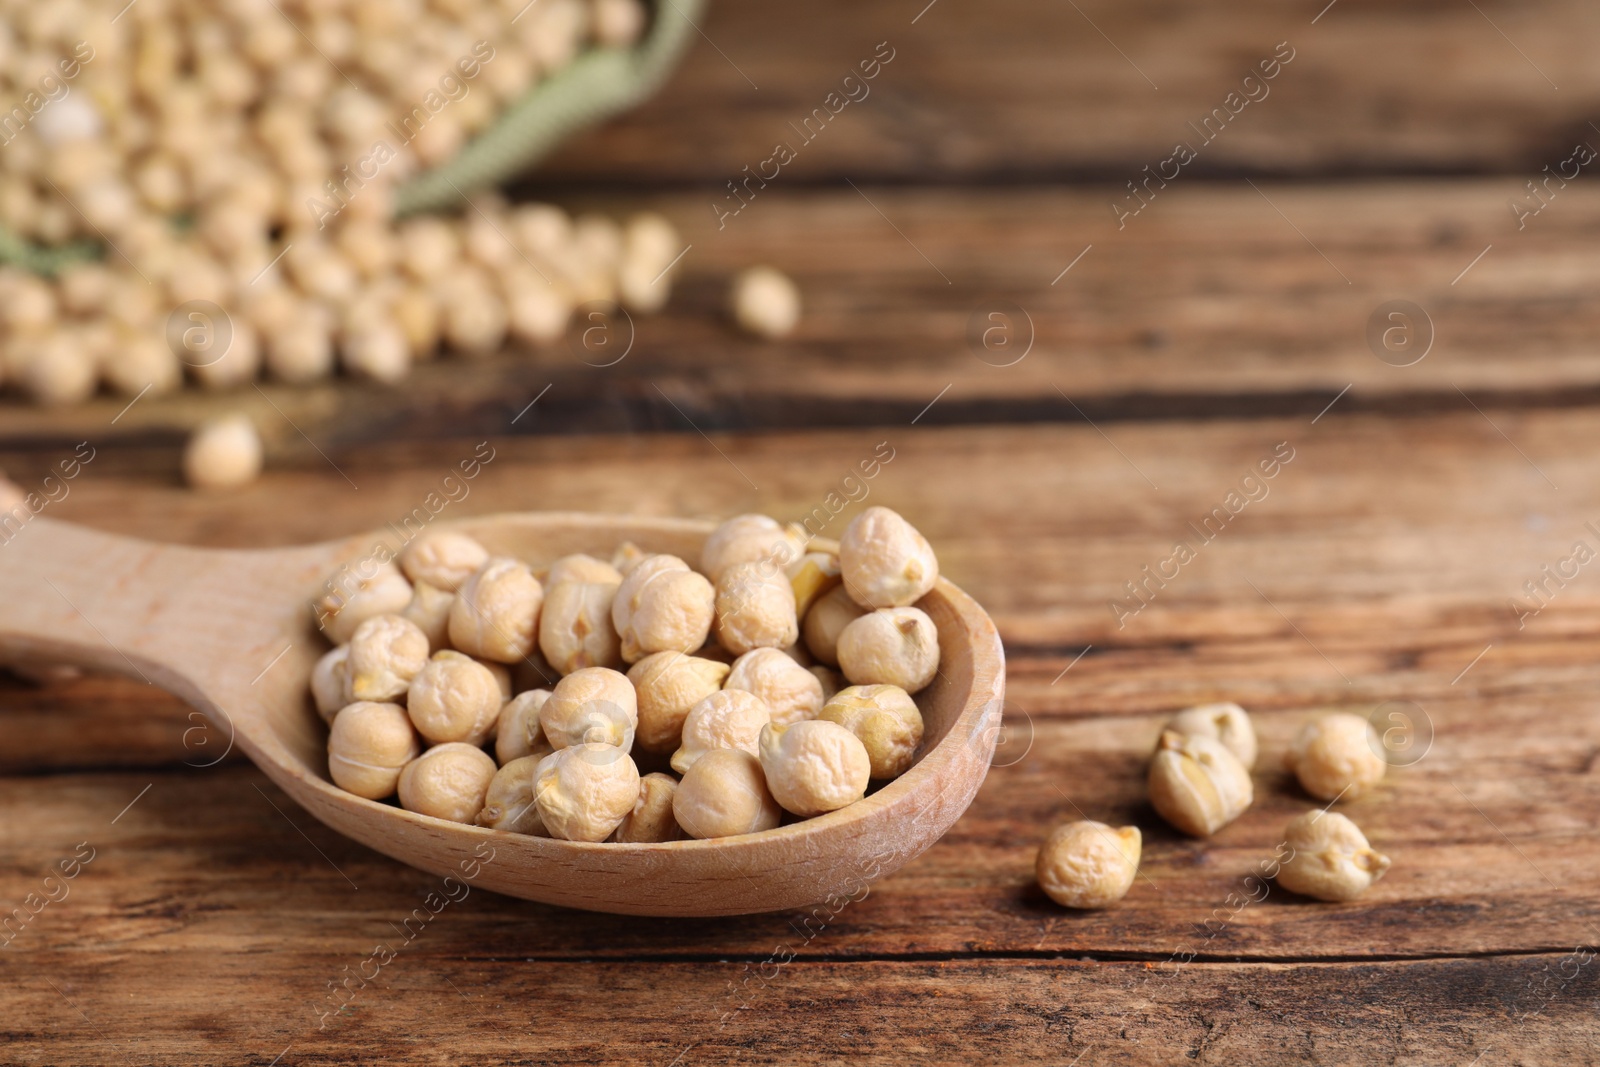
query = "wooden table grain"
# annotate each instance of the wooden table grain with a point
(1416, 557)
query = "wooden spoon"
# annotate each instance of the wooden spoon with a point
(233, 634)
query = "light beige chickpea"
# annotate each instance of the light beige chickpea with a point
(811, 576)
(517, 730)
(662, 606)
(1197, 785)
(731, 718)
(509, 804)
(1330, 858)
(884, 561)
(580, 567)
(1337, 756)
(448, 782)
(890, 646)
(651, 819)
(496, 613)
(224, 453)
(502, 678)
(444, 559)
(814, 766)
(57, 371)
(755, 608)
(886, 720)
(386, 653)
(594, 705)
(330, 682)
(1227, 723)
(430, 610)
(830, 680)
(790, 691)
(765, 302)
(748, 539)
(454, 698)
(585, 791)
(826, 620)
(238, 365)
(134, 366)
(668, 684)
(628, 556)
(575, 629)
(355, 599)
(1088, 864)
(368, 746)
(725, 794)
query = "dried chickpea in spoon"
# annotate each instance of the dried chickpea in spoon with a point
(448, 781)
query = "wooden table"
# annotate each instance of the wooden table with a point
(1385, 563)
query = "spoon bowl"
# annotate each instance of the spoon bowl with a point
(233, 634)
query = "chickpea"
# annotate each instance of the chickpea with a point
(585, 791)
(595, 705)
(1337, 756)
(368, 747)
(651, 819)
(443, 558)
(829, 679)
(811, 576)
(731, 718)
(826, 620)
(386, 653)
(790, 692)
(517, 730)
(1088, 864)
(885, 562)
(430, 611)
(751, 539)
(755, 608)
(890, 646)
(1227, 723)
(765, 302)
(330, 683)
(723, 795)
(224, 453)
(886, 720)
(814, 766)
(1331, 859)
(628, 556)
(448, 782)
(662, 606)
(384, 592)
(668, 684)
(575, 629)
(1197, 785)
(509, 803)
(454, 698)
(496, 613)
(580, 567)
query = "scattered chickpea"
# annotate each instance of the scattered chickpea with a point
(383, 592)
(496, 613)
(1227, 723)
(224, 453)
(517, 732)
(1197, 785)
(890, 646)
(448, 781)
(731, 718)
(595, 705)
(725, 794)
(585, 791)
(430, 611)
(790, 691)
(755, 608)
(668, 684)
(813, 766)
(751, 539)
(509, 803)
(444, 559)
(765, 302)
(386, 653)
(1088, 864)
(651, 819)
(454, 698)
(330, 683)
(826, 620)
(885, 562)
(1331, 859)
(662, 606)
(886, 720)
(1337, 757)
(368, 747)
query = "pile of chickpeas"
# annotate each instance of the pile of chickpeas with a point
(1199, 782)
(775, 682)
(243, 155)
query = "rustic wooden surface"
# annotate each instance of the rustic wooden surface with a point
(1222, 321)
